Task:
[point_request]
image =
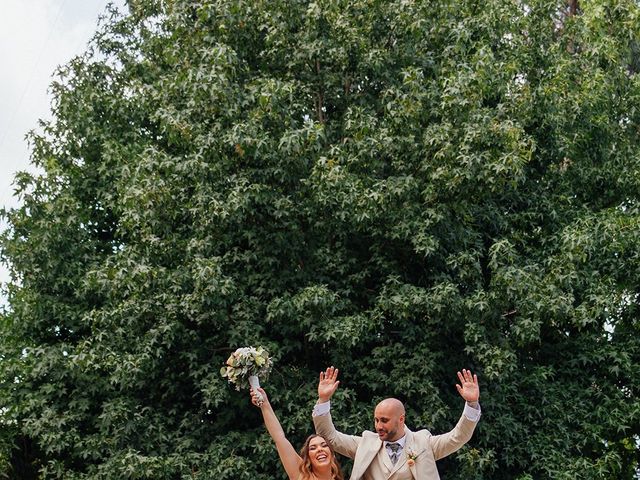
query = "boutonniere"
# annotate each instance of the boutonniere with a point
(411, 457)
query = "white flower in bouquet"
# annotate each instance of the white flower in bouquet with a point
(246, 362)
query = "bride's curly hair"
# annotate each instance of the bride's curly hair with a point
(306, 470)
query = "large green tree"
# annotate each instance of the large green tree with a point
(399, 188)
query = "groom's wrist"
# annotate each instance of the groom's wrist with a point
(473, 404)
(321, 409)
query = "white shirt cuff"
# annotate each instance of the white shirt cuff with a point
(321, 409)
(471, 413)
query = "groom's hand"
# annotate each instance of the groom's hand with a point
(468, 388)
(327, 384)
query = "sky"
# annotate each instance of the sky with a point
(36, 36)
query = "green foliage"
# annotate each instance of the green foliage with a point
(399, 188)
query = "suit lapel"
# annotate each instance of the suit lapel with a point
(370, 452)
(409, 446)
(385, 458)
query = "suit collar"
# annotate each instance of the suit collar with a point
(372, 446)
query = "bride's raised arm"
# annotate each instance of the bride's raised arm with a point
(288, 455)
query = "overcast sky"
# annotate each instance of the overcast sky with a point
(36, 36)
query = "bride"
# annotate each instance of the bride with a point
(316, 461)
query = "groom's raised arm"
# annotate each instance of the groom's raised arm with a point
(343, 444)
(448, 443)
(469, 389)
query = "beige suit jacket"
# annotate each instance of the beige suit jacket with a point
(371, 461)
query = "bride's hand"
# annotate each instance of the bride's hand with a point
(255, 397)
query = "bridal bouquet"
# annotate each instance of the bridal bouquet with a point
(245, 365)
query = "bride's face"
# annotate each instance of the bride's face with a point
(319, 453)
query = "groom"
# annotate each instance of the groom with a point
(394, 452)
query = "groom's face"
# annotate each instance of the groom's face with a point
(389, 421)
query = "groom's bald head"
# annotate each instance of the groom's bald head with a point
(389, 419)
(393, 404)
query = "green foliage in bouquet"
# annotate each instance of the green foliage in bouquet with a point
(246, 362)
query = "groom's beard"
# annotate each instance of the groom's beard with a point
(387, 435)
